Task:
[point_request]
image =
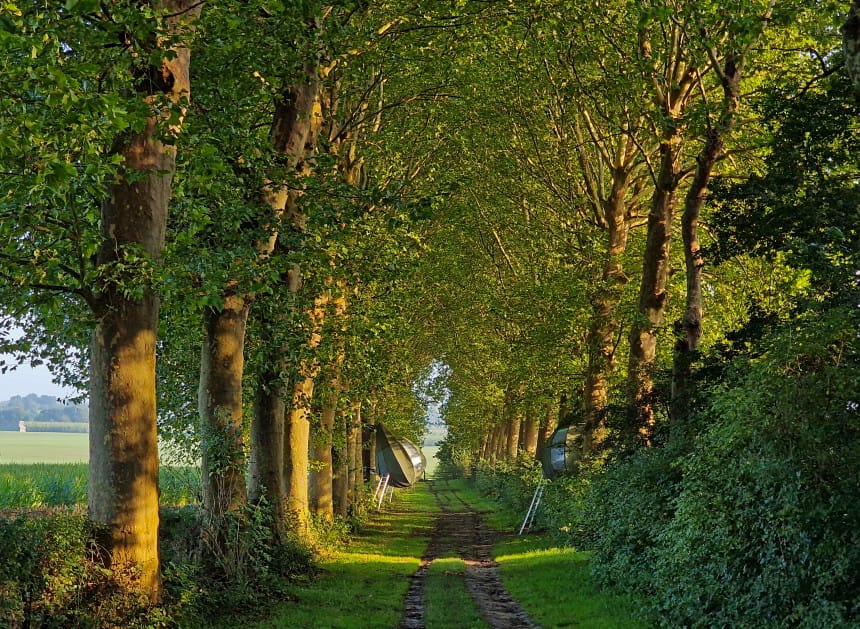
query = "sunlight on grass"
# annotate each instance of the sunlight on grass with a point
(363, 585)
(447, 603)
(555, 586)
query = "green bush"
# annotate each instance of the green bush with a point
(625, 509)
(44, 561)
(757, 523)
(767, 524)
(511, 482)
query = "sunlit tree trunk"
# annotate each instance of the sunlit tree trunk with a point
(293, 134)
(653, 295)
(690, 328)
(123, 469)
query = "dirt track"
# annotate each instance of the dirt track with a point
(461, 529)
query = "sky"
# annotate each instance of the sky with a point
(25, 380)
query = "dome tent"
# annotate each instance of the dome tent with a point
(562, 450)
(400, 458)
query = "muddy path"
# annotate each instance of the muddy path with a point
(461, 529)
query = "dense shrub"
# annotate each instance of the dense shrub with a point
(51, 576)
(44, 561)
(511, 482)
(767, 526)
(757, 524)
(619, 514)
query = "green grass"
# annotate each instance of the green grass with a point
(447, 603)
(552, 584)
(555, 586)
(363, 585)
(37, 485)
(44, 447)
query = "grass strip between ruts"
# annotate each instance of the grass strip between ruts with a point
(447, 603)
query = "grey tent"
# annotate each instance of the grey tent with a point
(399, 458)
(562, 450)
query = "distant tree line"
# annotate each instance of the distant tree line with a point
(42, 413)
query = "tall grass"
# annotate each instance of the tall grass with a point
(39, 485)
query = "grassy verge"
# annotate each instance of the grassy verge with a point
(363, 585)
(553, 584)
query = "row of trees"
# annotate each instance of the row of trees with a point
(359, 194)
(587, 165)
(256, 125)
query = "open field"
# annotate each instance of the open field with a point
(44, 447)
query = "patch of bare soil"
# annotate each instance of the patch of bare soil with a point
(461, 529)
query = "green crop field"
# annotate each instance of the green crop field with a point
(43, 447)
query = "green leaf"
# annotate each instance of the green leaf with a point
(82, 6)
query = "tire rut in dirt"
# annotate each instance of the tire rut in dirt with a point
(463, 531)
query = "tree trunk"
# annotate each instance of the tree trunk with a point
(322, 504)
(220, 406)
(547, 427)
(293, 133)
(604, 328)
(501, 439)
(690, 328)
(123, 469)
(368, 436)
(340, 456)
(266, 473)
(356, 476)
(513, 435)
(652, 290)
(530, 431)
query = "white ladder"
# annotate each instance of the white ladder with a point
(533, 507)
(381, 486)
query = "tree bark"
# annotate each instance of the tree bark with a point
(530, 431)
(266, 470)
(293, 134)
(547, 427)
(356, 477)
(689, 331)
(340, 460)
(123, 469)
(220, 406)
(322, 504)
(603, 329)
(653, 295)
